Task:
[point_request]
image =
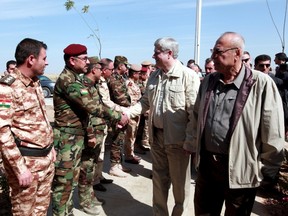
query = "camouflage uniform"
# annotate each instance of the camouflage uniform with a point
(132, 127)
(24, 130)
(72, 104)
(142, 85)
(143, 134)
(119, 95)
(96, 129)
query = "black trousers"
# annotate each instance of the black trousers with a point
(212, 189)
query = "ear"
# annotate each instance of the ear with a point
(239, 52)
(30, 60)
(71, 60)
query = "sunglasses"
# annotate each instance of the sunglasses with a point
(262, 65)
(245, 60)
(216, 51)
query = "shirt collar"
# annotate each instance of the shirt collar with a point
(238, 81)
(27, 81)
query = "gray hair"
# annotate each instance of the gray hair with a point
(167, 43)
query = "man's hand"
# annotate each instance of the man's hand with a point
(92, 142)
(124, 120)
(25, 179)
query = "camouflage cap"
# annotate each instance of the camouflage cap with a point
(93, 60)
(146, 63)
(121, 59)
(135, 68)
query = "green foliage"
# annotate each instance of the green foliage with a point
(69, 4)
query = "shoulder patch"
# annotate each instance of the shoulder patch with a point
(8, 80)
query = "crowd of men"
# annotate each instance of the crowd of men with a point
(230, 119)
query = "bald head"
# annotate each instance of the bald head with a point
(234, 40)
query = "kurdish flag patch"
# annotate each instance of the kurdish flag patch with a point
(5, 104)
(84, 91)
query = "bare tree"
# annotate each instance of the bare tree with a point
(69, 4)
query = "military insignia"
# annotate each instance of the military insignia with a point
(84, 91)
(8, 80)
(5, 104)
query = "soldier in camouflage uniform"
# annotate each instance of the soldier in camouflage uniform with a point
(119, 95)
(96, 130)
(142, 138)
(26, 136)
(132, 126)
(73, 103)
(107, 69)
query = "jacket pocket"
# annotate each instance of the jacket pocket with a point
(177, 96)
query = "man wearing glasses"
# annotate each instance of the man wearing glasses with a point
(246, 59)
(73, 103)
(263, 63)
(238, 132)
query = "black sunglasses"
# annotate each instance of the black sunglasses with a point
(245, 60)
(262, 65)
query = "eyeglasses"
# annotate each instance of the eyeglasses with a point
(111, 69)
(216, 51)
(245, 60)
(208, 68)
(262, 65)
(85, 59)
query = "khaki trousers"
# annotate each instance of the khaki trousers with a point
(170, 165)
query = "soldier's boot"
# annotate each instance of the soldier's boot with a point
(94, 201)
(90, 210)
(124, 169)
(115, 170)
(98, 202)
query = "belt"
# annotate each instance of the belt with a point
(35, 152)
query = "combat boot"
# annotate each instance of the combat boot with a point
(115, 170)
(98, 202)
(90, 210)
(124, 168)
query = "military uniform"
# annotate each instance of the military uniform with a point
(143, 134)
(119, 95)
(132, 127)
(73, 103)
(26, 139)
(97, 128)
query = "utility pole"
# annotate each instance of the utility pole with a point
(197, 31)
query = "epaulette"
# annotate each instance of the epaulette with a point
(8, 80)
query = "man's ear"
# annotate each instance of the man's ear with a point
(71, 60)
(30, 60)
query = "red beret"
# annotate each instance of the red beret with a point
(144, 69)
(75, 50)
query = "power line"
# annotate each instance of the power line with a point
(284, 24)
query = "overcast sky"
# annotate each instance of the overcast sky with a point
(130, 27)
